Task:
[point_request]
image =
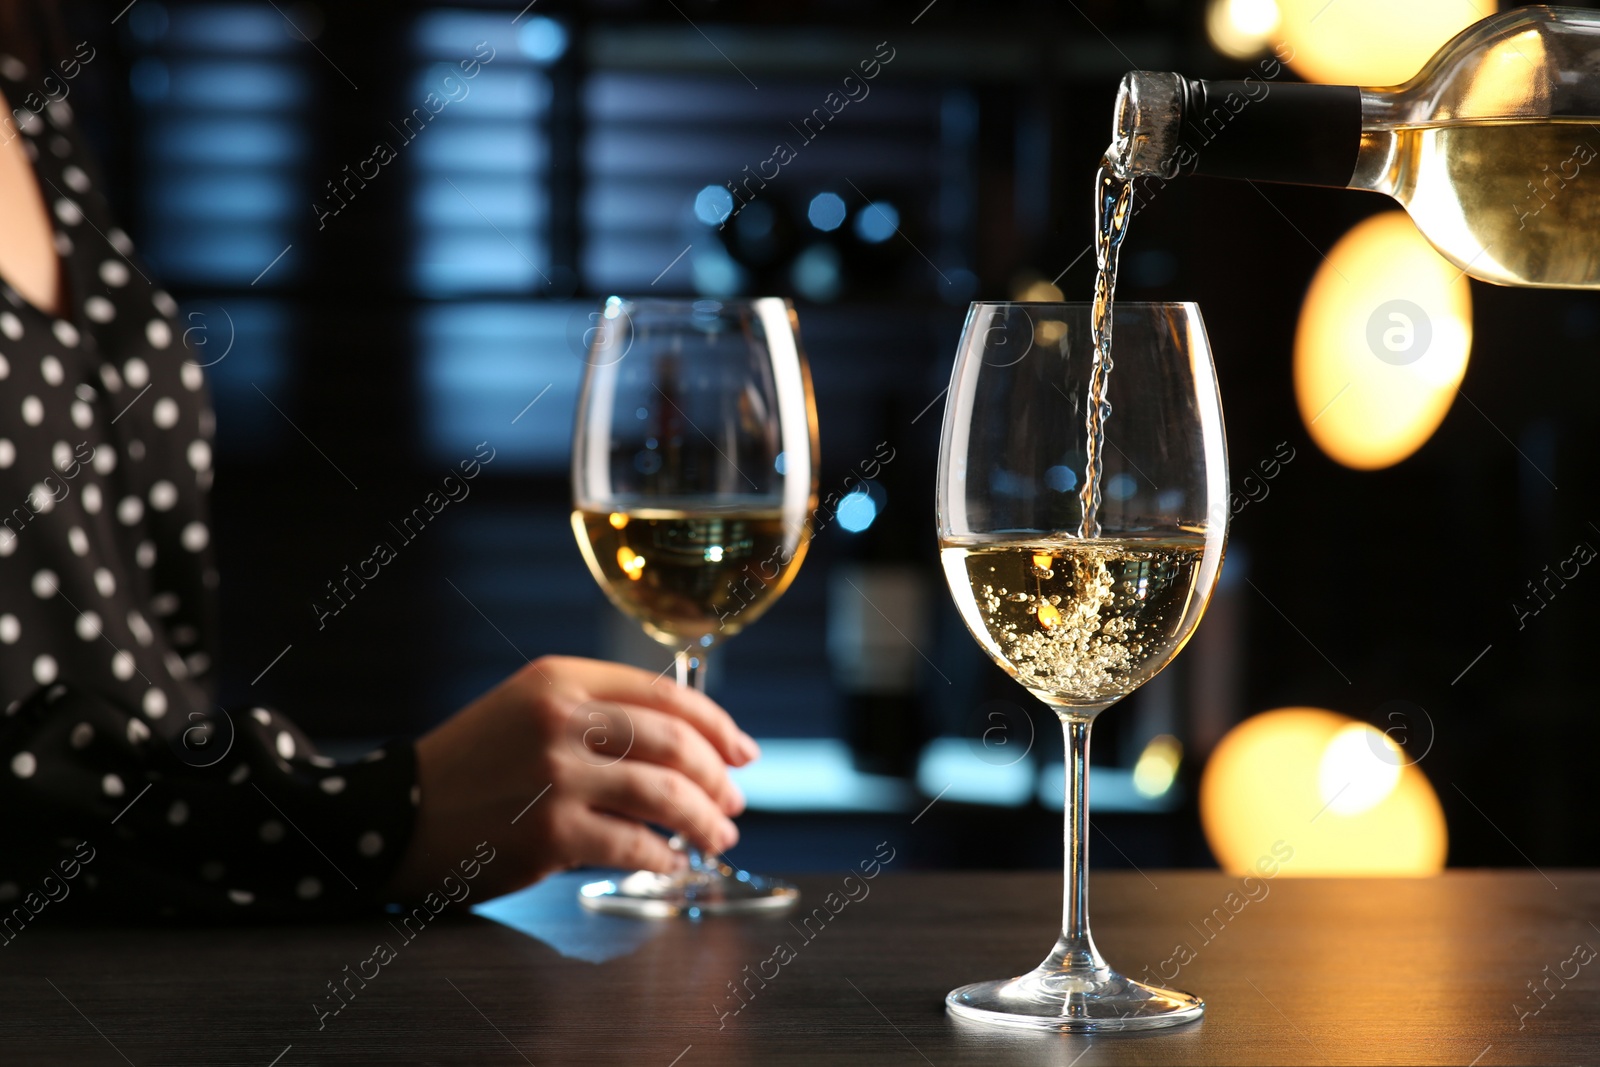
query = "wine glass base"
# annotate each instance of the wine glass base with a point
(1073, 1002)
(714, 889)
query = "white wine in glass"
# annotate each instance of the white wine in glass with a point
(1076, 621)
(694, 463)
(699, 554)
(1081, 553)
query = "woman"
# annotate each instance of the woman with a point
(119, 776)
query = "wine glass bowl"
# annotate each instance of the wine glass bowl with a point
(694, 482)
(1080, 596)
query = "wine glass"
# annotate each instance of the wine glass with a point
(1079, 612)
(694, 458)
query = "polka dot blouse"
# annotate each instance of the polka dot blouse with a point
(116, 764)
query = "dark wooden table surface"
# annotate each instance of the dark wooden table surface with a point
(1311, 971)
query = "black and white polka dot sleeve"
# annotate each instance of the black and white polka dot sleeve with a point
(222, 815)
(111, 742)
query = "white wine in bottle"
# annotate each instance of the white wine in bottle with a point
(1493, 147)
(1505, 200)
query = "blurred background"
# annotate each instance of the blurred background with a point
(365, 331)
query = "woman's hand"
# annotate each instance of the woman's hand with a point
(562, 765)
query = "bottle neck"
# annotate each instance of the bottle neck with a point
(1331, 135)
(1377, 169)
(1274, 132)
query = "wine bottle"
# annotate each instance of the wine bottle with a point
(1491, 147)
(880, 610)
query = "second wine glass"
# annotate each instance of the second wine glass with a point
(694, 464)
(1081, 561)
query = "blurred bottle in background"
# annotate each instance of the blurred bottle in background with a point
(880, 608)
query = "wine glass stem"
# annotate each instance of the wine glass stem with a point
(1075, 949)
(691, 665)
(691, 668)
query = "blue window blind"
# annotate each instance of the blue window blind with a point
(656, 140)
(480, 160)
(480, 208)
(224, 97)
(223, 94)
(484, 363)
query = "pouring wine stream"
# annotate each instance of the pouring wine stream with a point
(1113, 196)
